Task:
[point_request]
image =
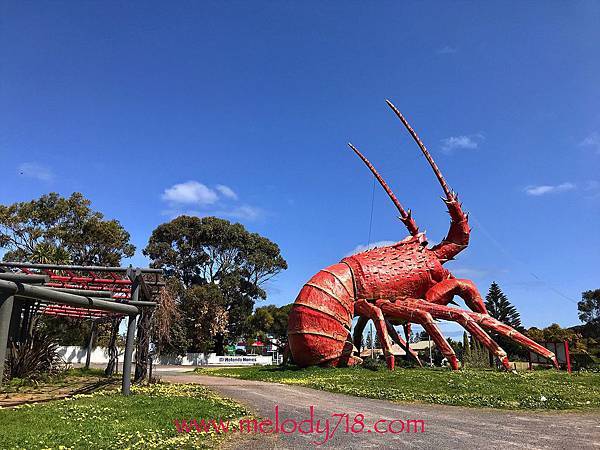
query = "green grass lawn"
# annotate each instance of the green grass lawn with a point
(106, 419)
(546, 389)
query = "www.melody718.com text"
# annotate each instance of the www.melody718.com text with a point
(323, 429)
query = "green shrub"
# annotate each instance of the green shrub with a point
(36, 358)
(583, 360)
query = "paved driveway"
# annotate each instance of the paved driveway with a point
(445, 426)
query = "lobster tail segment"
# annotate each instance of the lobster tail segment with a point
(321, 317)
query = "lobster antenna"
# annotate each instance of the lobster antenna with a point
(404, 215)
(449, 194)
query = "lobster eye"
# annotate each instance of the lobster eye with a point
(422, 239)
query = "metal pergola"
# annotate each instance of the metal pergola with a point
(78, 292)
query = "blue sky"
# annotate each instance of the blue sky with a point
(244, 109)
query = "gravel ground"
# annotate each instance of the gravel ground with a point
(444, 426)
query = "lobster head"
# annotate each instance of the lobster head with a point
(458, 235)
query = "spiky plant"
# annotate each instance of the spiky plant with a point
(36, 357)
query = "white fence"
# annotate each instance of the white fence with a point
(77, 355)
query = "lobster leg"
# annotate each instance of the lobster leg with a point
(369, 310)
(406, 327)
(490, 323)
(442, 293)
(402, 343)
(467, 322)
(471, 322)
(401, 310)
(361, 323)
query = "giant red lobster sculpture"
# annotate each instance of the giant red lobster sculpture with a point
(402, 283)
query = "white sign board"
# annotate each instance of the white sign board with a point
(215, 360)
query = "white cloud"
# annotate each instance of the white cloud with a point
(446, 50)
(364, 247)
(36, 171)
(226, 191)
(193, 198)
(544, 189)
(592, 141)
(190, 193)
(468, 142)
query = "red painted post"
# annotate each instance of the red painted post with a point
(568, 356)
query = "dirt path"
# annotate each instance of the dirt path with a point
(445, 426)
(49, 392)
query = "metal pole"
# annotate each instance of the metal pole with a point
(88, 356)
(128, 355)
(372, 338)
(71, 267)
(24, 278)
(45, 294)
(429, 341)
(6, 306)
(135, 293)
(140, 303)
(83, 292)
(117, 301)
